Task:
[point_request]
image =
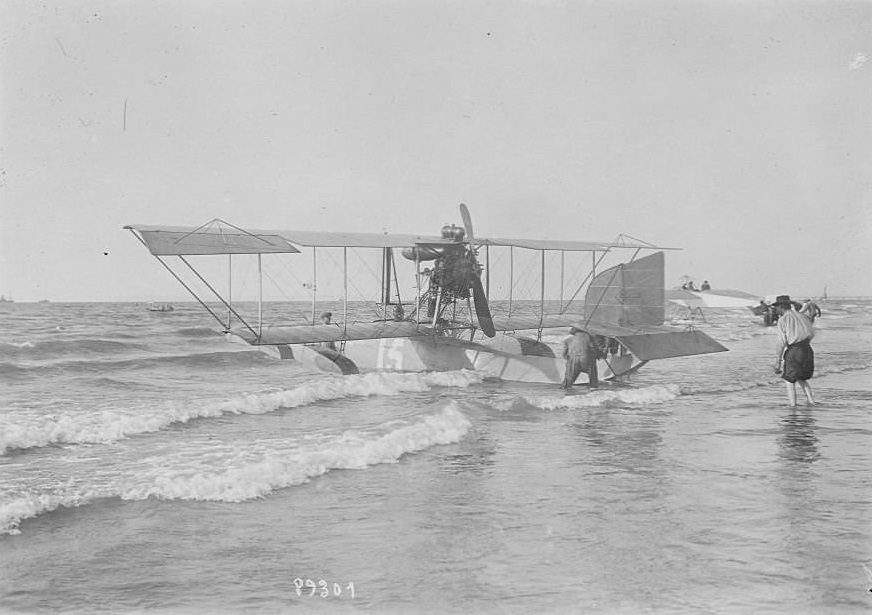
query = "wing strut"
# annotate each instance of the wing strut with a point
(590, 275)
(214, 292)
(186, 287)
(541, 295)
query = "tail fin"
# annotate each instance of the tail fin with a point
(628, 295)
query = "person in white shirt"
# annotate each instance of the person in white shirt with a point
(810, 309)
(795, 354)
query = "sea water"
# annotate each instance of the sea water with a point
(148, 464)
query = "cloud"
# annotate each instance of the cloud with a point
(859, 60)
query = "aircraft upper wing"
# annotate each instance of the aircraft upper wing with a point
(219, 237)
(359, 240)
(184, 241)
(215, 238)
(563, 245)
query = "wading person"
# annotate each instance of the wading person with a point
(326, 320)
(580, 355)
(810, 309)
(795, 355)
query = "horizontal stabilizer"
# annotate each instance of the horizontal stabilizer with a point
(660, 342)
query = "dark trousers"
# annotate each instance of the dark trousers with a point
(576, 365)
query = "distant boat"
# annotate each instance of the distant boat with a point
(3, 299)
(159, 307)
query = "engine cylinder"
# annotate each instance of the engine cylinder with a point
(453, 232)
(423, 253)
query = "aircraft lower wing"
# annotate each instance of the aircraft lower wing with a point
(308, 334)
(647, 343)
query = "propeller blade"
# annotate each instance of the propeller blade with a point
(482, 311)
(467, 222)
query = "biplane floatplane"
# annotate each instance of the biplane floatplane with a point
(452, 322)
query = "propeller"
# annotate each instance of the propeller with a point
(467, 222)
(456, 270)
(482, 310)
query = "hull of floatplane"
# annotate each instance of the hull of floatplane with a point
(505, 357)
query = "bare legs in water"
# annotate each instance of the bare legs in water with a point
(806, 388)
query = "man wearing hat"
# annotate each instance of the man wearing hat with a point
(795, 355)
(580, 355)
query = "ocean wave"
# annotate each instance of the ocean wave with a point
(351, 451)
(59, 348)
(24, 344)
(29, 431)
(199, 332)
(246, 481)
(237, 357)
(12, 371)
(655, 394)
(768, 378)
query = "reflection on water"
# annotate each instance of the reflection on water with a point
(799, 442)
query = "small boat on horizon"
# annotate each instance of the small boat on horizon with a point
(159, 307)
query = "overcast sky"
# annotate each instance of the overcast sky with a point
(739, 131)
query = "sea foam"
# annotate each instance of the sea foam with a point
(351, 451)
(644, 395)
(237, 481)
(27, 430)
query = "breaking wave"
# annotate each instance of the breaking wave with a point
(351, 451)
(655, 394)
(240, 481)
(20, 432)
